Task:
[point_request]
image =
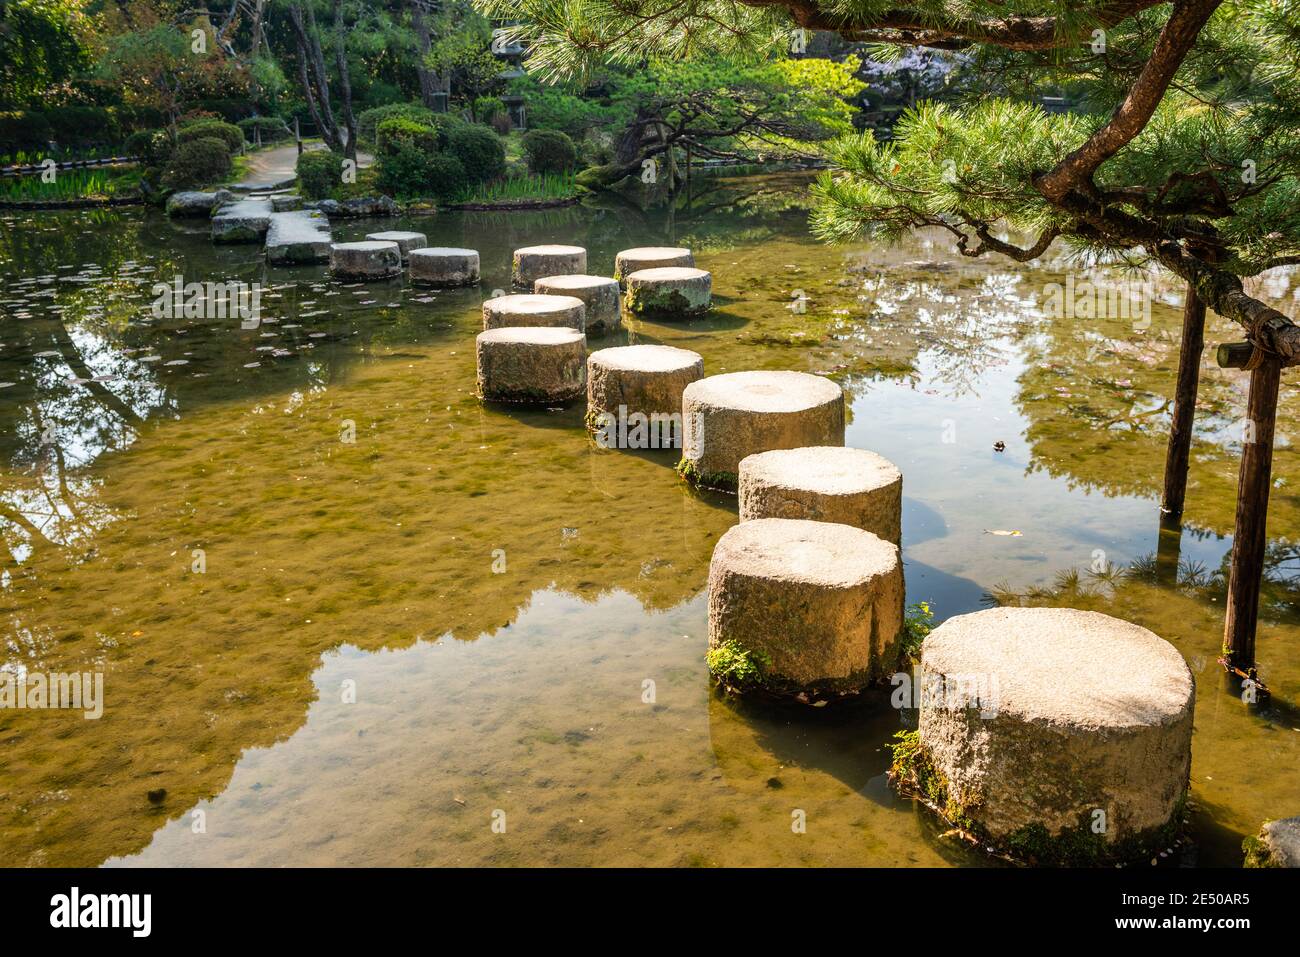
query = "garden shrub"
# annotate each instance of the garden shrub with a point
(198, 162)
(24, 130)
(480, 151)
(406, 171)
(82, 125)
(152, 146)
(319, 171)
(550, 151)
(500, 122)
(228, 133)
(486, 107)
(368, 121)
(398, 131)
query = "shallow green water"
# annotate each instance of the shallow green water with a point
(369, 565)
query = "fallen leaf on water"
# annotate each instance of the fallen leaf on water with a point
(1001, 531)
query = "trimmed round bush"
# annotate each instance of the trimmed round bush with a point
(319, 171)
(228, 133)
(152, 146)
(82, 125)
(550, 151)
(408, 170)
(479, 150)
(198, 163)
(368, 121)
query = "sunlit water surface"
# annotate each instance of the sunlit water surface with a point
(516, 695)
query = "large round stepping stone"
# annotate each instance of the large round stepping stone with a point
(536, 262)
(443, 266)
(598, 293)
(811, 610)
(532, 310)
(1039, 723)
(406, 242)
(730, 416)
(669, 292)
(649, 257)
(824, 483)
(531, 364)
(635, 393)
(365, 260)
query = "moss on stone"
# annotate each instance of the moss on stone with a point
(724, 481)
(737, 668)
(1258, 853)
(914, 775)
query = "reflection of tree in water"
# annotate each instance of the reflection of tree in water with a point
(1096, 394)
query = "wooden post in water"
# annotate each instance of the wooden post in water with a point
(1179, 450)
(1253, 486)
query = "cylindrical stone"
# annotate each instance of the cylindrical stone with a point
(365, 260)
(730, 416)
(406, 242)
(824, 483)
(443, 266)
(816, 608)
(525, 309)
(1041, 721)
(669, 292)
(649, 257)
(598, 293)
(645, 380)
(535, 262)
(531, 364)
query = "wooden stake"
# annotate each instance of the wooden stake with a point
(1253, 486)
(1178, 453)
(297, 135)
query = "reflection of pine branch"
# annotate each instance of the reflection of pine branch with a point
(72, 356)
(36, 536)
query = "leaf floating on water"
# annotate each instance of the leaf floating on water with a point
(1002, 531)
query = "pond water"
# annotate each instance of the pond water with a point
(486, 693)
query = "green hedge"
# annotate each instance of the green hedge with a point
(152, 146)
(549, 151)
(408, 171)
(228, 133)
(198, 162)
(319, 171)
(480, 151)
(68, 126)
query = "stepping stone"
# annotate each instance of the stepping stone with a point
(598, 293)
(824, 483)
(243, 221)
(643, 381)
(298, 237)
(191, 203)
(285, 203)
(532, 310)
(531, 364)
(443, 266)
(535, 262)
(807, 610)
(406, 242)
(649, 257)
(1278, 845)
(365, 260)
(1039, 724)
(730, 416)
(669, 292)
